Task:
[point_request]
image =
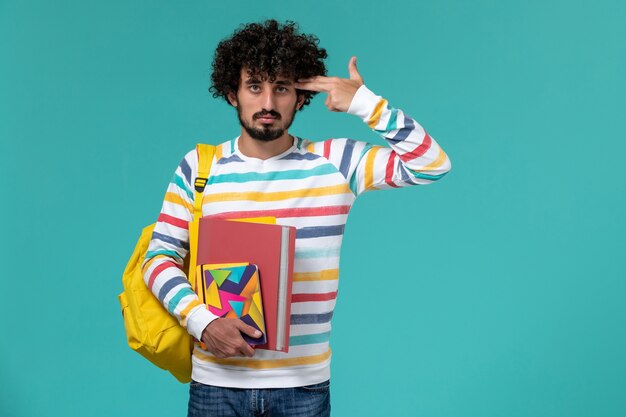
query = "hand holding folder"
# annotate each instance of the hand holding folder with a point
(223, 338)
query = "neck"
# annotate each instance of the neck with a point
(260, 149)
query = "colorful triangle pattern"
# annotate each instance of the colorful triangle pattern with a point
(235, 292)
(219, 275)
(237, 307)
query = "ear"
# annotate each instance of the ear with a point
(232, 99)
(300, 101)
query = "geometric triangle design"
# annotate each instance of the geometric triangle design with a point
(213, 297)
(257, 316)
(208, 279)
(250, 288)
(237, 306)
(236, 274)
(233, 291)
(220, 275)
(256, 300)
(226, 298)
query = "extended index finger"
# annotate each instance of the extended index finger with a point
(317, 83)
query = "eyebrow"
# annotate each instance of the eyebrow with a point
(254, 80)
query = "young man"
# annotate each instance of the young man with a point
(268, 71)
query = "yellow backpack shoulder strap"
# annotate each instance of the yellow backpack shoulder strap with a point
(205, 158)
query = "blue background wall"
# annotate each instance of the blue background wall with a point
(512, 267)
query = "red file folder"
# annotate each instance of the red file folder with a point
(271, 247)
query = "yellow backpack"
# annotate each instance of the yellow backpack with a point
(150, 329)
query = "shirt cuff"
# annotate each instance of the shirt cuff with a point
(198, 320)
(363, 103)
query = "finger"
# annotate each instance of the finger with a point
(312, 86)
(354, 72)
(316, 78)
(249, 330)
(320, 84)
(246, 350)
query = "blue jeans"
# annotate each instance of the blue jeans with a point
(211, 401)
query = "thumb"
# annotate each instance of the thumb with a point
(249, 330)
(354, 73)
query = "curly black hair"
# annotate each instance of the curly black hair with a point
(268, 49)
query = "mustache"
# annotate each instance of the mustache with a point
(266, 113)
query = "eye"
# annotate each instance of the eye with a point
(281, 89)
(254, 88)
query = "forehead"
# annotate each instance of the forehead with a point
(247, 76)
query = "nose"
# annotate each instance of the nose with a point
(268, 99)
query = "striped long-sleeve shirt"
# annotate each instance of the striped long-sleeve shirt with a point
(310, 186)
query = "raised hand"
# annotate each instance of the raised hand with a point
(340, 91)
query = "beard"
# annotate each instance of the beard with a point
(266, 133)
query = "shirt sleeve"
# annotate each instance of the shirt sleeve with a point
(412, 158)
(163, 265)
